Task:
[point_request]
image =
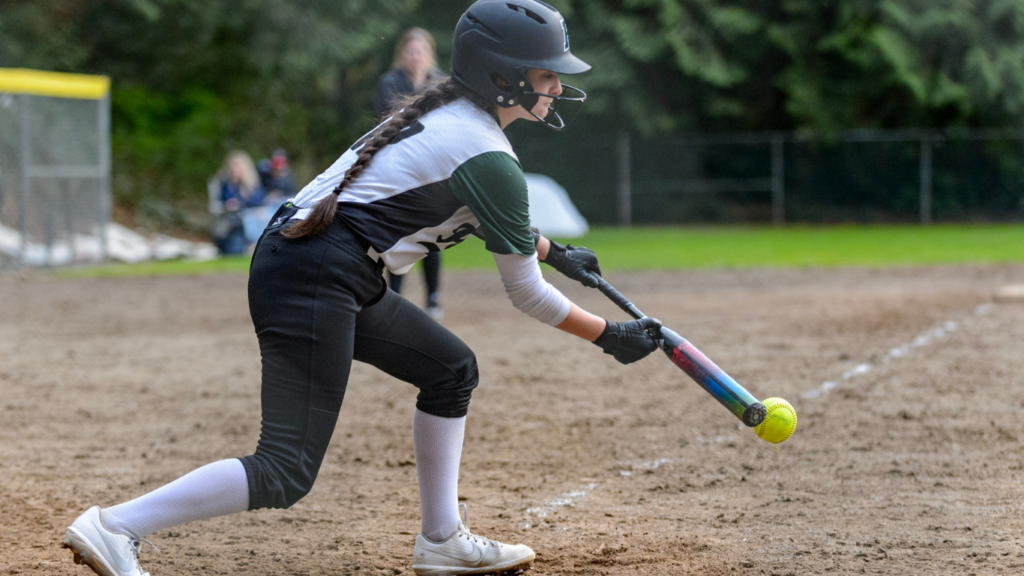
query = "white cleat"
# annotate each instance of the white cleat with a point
(466, 553)
(107, 553)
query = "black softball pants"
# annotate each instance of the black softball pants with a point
(318, 303)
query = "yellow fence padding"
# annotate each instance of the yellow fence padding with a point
(55, 84)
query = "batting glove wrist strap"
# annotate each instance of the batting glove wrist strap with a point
(629, 341)
(580, 264)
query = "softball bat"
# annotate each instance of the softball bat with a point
(697, 366)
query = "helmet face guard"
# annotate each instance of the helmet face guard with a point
(563, 108)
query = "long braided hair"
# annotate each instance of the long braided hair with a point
(404, 113)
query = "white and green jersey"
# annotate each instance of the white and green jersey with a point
(445, 176)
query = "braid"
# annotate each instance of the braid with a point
(406, 113)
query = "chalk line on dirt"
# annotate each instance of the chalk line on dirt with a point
(569, 499)
(894, 353)
(651, 465)
(565, 499)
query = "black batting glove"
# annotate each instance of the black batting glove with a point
(629, 341)
(580, 264)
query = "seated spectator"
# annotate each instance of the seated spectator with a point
(276, 177)
(242, 198)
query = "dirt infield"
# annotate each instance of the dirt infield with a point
(910, 465)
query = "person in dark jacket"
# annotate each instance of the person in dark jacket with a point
(413, 68)
(276, 177)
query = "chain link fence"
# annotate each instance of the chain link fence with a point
(862, 176)
(54, 167)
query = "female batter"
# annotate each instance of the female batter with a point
(435, 172)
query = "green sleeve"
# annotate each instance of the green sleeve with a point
(493, 187)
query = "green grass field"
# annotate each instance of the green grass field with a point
(713, 247)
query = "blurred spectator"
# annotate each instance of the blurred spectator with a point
(413, 68)
(276, 176)
(241, 202)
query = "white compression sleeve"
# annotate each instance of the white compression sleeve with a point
(214, 490)
(529, 291)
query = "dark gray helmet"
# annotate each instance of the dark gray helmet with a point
(497, 41)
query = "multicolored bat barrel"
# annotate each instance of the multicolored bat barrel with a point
(685, 355)
(712, 378)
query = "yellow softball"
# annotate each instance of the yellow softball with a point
(780, 422)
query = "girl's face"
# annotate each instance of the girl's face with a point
(543, 82)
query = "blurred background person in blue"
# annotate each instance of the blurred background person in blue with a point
(414, 66)
(241, 197)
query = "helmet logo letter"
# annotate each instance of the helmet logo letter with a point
(565, 33)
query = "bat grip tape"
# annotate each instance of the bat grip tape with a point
(619, 300)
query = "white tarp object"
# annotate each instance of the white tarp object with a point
(123, 245)
(551, 211)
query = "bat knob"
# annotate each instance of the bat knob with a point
(754, 414)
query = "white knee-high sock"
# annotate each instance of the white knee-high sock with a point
(438, 445)
(214, 490)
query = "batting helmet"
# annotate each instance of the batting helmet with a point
(497, 41)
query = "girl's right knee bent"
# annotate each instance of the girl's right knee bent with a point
(281, 474)
(275, 484)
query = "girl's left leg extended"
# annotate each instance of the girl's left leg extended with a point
(304, 297)
(213, 490)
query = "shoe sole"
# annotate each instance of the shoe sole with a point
(84, 553)
(512, 570)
